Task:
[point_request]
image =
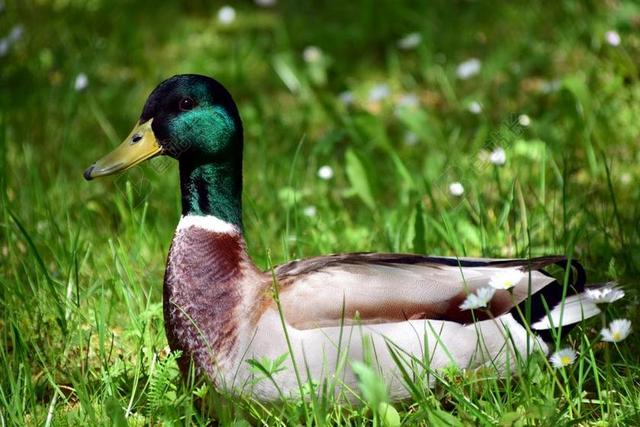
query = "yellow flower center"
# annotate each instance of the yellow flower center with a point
(565, 360)
(616, 335)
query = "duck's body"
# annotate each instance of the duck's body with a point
(221, 311)
(402, 310)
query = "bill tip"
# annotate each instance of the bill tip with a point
(87, 173)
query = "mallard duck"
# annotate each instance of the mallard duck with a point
(221, 311)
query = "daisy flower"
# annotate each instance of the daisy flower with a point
(475, 107)
(310, 211)
(524, 120)
(506, 279)
(81, 82)
(613, 38)
(410, 138)
(625, 178)
(325, 172)
(550, 86)
(604, 295)
(478, 299)
(266, 3)
(16, 33)
(379, 92)
(562, 358)
(346, 97)
(456, 189)
(498, 156)
(226, 15)
(4, 46)
(618, 330)
(409, 100)
(410, 41)
(468, 68)
(312, 54)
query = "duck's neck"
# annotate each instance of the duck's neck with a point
(212, 190)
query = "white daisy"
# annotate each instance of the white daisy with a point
(612, 37)
(456, 189)
(81, 82)
(379, 92)
(16, 33)
(312, 54)
(409, 100)
(346, 97)
(618, 330)
(478, 299)
(310, 211)
(604, 295)
(325, 172)
(562, 358)
(550, 86)
(266, 3)
(498, 156)
(468, 68)
(410, 41)
(474, 107)
(625, 178)
(506, 279)
(524, 120)
(410, 138)
(226, 15)
(4, 46)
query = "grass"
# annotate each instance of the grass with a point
(82, 264)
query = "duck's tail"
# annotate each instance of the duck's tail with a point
(556, 308)
(571, 310)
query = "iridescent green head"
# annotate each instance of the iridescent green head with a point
(193, 119)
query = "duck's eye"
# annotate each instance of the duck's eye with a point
(186, 104)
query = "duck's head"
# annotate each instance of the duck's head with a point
(189, 117)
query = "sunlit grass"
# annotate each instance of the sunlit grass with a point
(324, 86)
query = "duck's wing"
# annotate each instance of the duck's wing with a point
(381, 287)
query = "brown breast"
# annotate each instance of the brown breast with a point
(201, 295)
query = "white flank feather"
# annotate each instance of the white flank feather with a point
(494, 343)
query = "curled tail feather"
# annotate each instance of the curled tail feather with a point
(556, 305)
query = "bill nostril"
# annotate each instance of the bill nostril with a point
(136, 138)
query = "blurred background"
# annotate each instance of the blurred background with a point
(392, 96)
(445, 127)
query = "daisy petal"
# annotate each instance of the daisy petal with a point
(617, 331)
(562, 358)
(478, 299)
(506, 279)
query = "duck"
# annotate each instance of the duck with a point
(318, 317)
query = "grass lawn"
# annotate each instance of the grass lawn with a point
(369, 126)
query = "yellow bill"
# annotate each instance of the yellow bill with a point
(139, 146)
